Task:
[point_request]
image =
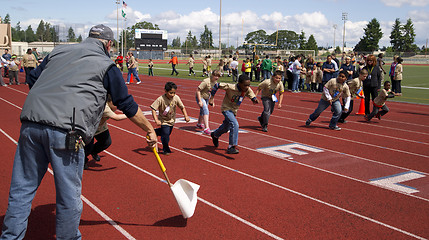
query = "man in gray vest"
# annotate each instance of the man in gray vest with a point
(68, 93)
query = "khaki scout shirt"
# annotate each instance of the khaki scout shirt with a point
(161, 104)
(336, 90)
(205, 87)
(232, 95)
(354, 86)
(268, 87)
(381, 98)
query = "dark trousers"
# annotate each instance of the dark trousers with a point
(191, 70)
(268, 104)
(396, 86)
(103, 142)
(376, 110)
(234, 75)
(344, 115)
(164, 131)
(174, 69)
(13, 76)
(27, 73)
(289, 75)
(370, 93)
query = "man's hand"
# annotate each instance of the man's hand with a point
(151, 139)
(187, 119)
(280, 105)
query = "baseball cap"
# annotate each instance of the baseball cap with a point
(102, 32)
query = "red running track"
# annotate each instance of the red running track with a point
(367, 181)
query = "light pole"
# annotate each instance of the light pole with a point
(220, 27)
(228, 35)
(117, 22)
(344, 17)
(335, 28)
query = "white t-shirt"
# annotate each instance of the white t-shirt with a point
(234, 65)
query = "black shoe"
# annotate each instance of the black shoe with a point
(308, 122)
(341, 120)
(232, 150)
(96, 157)
(265, 129)
(215, 140)
(166, 153)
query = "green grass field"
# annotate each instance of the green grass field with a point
(414, 76)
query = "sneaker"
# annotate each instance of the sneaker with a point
(96, 157)
(200, 126)
(265, 129)
(139, 82)
(214, 139)
(366, 118)
(207, 131)
(335, 128)
(127, 82)
(166, 153)
(232, 150)
(308, 122)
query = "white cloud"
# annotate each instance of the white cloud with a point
(399, 3)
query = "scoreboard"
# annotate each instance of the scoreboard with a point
(146, 39)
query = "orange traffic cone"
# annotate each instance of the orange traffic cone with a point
(361, 107)
(131, 79)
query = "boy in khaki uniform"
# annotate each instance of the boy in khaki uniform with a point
(355, 87)
(380, 103)
(333, 90)
(166, 106)
(268, 89)
(234, 95)
(202, 96)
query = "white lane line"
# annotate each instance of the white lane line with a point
(95, 208)
(290, 190)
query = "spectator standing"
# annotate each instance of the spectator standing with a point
(348, 67)
(191, 62)
(150, 66)
(372, 83)
(132, 68)
(398, 76)
(205, 73)
(174, 62)
(49, 135)
(266, 67)
(120, 61)
(6, 56)
(380, 64)
(29, 63)
(328, 71)
(296, 70)
(234, 69)
(14, 70)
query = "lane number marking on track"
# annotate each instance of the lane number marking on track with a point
(282, 151)
(393, 181)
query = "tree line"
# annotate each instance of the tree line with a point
(402, 37)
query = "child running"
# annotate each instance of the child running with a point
(380, 103)
(166, 106)
(202, 96)
(268, 89)
(332, 92)
(234, 95)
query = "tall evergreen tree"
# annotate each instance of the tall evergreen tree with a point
(6, 18)
(17, 33)
(409, 36)
(40, 32)
(302, 41)
(372, 35)
(176, 43)
(206, 38)
(396, 38)
(29, 35)
(71, 36)
(312, 44)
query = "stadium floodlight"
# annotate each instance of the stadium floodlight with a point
(344, 17)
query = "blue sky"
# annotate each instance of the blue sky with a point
(315, 17)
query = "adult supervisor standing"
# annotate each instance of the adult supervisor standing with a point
(63, 108)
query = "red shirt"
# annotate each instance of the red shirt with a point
(120, 59)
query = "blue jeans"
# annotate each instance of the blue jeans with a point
(335, 107)
(229, 124)
(38, 146)
(266, 74)
(295, 82)
(204, 110)
(134, 72)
